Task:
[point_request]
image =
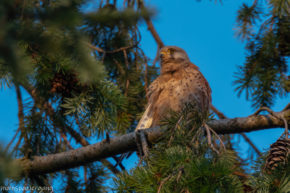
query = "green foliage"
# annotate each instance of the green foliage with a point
(109, 16)
(125, 67)
(280, 8)
(179, 171)
(274, 181)
(264, 75)
(45, 48)
(53, 36)
(99, 109)
(96, 175)
(8, 168)
(37, 30)
(247, 16)
(5, 77)
(183, 162)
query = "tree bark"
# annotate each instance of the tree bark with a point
(118, 145)
(248, 124)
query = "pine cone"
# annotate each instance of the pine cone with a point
(64, 84)
(278, 154)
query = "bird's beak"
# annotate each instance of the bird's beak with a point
(163, 53)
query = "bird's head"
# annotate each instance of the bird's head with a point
(172, 58)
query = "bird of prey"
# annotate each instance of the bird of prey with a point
(179, 83)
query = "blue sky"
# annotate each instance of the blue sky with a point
(206, 31)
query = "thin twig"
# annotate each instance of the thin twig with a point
(21, 114)
(120, 68)
(276, 116)
(264, 109)
(127, 66)
(181, 170)
(100, 4)
(172, 136)
(209, 139)
(255, 3)
(162, 183)
(152, 29)
(127, 87)
(217, 112)
(22, 9)
(146, 80)
(154, 33)
(198, 132)
(286, 127)
(126, 59)
(66, 141)
(247, 139)
(157, 56)
(110, 51)
(85, 176)
(221, 141)
(17, 144)
(12, 140)
(119, 162)
(103, 57)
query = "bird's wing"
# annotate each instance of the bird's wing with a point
(147, 119)
(196, 88)
(148, 116)
(203, 80)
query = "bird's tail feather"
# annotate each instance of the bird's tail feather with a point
(147, 119)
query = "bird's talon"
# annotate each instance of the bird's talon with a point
(142, 145)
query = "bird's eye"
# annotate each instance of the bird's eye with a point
(171, 51)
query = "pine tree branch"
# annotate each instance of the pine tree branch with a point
(21, 114)
(250, 123)
(46, 106)
(17, 144)
(154, 33)
(12, 140)
(152, 29)
(246, 138)
(125, 143)
(110, 51)
(217, 112)
(157, 56)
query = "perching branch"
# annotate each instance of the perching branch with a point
(246, 138)
(122, 144)
(251, 123)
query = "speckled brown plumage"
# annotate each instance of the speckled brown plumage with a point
(179, 83)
